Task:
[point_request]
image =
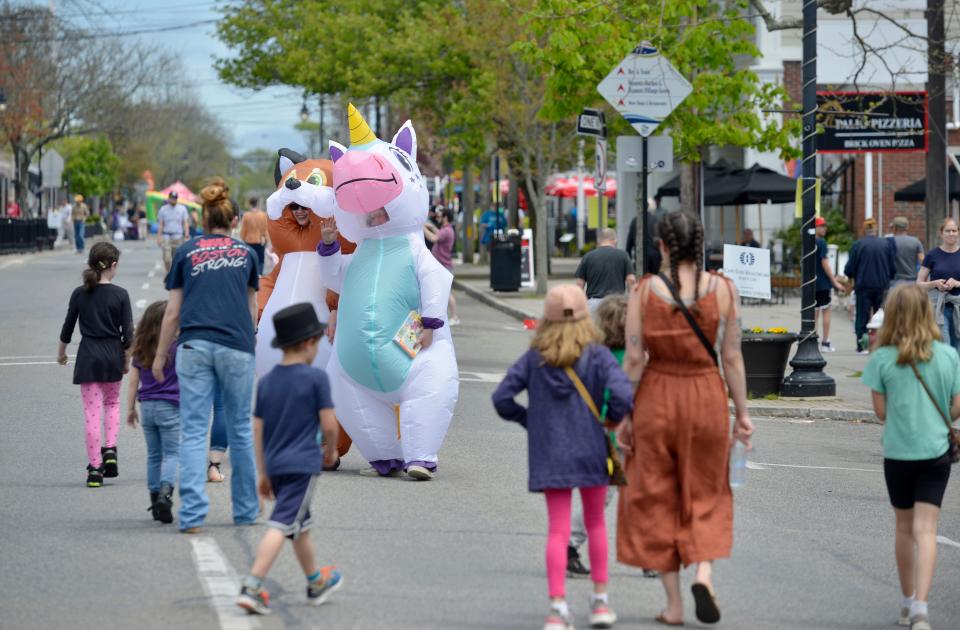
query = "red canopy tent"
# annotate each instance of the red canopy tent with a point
(567, 187)
(183, 193)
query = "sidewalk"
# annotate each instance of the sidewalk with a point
(852, 402)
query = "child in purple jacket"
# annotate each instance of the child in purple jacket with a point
(566, 445)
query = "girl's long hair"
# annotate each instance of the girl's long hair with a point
(909, 324)
(612, 321)
(561, 343)
(102, 256)
(682, 233)
(148, 334)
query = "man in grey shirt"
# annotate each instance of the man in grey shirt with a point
(908, 252)
(173, 227)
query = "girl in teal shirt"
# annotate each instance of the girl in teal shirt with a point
(915, 437)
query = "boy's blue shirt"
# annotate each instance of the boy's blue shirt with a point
(289, 399)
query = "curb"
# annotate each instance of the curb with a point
(493, 302)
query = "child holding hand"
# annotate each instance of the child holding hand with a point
(291, 398)
(567, 445)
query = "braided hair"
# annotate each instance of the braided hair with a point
(682, 233)
(102, 256)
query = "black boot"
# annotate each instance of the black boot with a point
(109, 456)
(94, 476)
(164, 504)
(575, 568)
(153, 505)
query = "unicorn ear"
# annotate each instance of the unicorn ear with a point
(336, 150)
(286, 159)
(406, 139)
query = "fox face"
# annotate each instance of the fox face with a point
(301, 182)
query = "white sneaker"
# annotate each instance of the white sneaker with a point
(601, 615)
(419, 473)
(372, 472)
(455, 321)
(904, 617)
(556, 621)
(826, 346)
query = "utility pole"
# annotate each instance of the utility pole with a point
(808, 378)
(936, 198)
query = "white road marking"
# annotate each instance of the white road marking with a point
(11, 263)
(30, 363)
(158, 265)
(221, 585)
(145, 286)
(152, 274)
(33, 356)
(943, 540)
(481, 377)
(763, 465)
(141, 304)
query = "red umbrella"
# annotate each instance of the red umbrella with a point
(567, 187)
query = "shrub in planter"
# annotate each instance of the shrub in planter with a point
(765, 356)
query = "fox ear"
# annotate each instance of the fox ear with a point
(336, 151)
(286, 159)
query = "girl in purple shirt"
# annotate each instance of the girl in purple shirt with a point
(160, 405)
(566, 444)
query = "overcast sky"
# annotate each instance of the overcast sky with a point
(261, 119)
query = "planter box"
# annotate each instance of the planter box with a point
(92, 229)
(765, 357)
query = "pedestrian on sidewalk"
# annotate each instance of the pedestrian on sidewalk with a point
(173, 227)
(606, 270)
(160, 404)
(79, 214)
(567, 446)
(443, 240)
(293, 407)
(826, 282)
(908, 252)
(253, 232)
(213, 283)
(915, 380)
(106, 326)
(677, 506)
(871, 266)
(940, 275)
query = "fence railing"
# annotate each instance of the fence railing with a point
(21, 235)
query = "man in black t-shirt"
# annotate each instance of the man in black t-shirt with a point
(606, 270)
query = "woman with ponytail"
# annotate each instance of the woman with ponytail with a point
(106, 326)
(677, 507)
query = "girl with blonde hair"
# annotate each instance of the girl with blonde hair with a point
(915, 380)
(565, 373)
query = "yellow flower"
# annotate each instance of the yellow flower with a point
(777, 331)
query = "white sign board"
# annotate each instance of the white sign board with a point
(749, 269)
(51, 164)
(644, 88)
(527, 278)
(630, 154)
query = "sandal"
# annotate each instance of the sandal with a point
(707, 609)
(214, 474)
(661, 619)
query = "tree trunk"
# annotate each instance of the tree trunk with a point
(690, 187)
(21, 178)
(486, 203)
(936, 203)
(469, 229)
(538, 223)
(513, 201)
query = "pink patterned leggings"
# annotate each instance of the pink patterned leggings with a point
(100, 398)
(558, 514)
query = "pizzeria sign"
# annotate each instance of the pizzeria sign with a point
(876, 122)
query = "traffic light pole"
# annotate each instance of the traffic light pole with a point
(808, 378)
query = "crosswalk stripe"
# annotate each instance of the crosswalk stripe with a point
(220, 583)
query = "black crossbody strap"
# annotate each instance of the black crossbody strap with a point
(944, 416)
(690, 320)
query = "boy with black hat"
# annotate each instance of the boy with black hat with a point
(290, 399)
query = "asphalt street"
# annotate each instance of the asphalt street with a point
(814, 531)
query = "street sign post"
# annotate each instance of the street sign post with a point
(644, 88)
(591, 122)
(600, 182)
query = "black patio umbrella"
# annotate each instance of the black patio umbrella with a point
(756, 184)
(917, 191)
(710, 172)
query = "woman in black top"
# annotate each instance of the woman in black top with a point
(106, 326)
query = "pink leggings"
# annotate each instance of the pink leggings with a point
(100, 398)
(558, 513)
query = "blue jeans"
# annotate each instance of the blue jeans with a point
(78, 229)
(202, 367)
(218, 430)
(946, 328)
(161, 430)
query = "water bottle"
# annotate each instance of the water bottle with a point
(738, 464)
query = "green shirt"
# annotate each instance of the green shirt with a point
(914, 428)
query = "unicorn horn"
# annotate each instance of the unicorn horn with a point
(360, 132)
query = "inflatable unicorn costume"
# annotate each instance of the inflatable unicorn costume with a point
(396, 408)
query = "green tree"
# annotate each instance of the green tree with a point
(90, 165)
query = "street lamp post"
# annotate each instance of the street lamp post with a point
(808, 378)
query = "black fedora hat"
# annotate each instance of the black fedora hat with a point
(296, 323)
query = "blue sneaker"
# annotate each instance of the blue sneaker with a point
(330, 581)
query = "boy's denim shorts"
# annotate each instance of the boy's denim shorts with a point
(293, 494)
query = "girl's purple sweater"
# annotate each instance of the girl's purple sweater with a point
(566, 445)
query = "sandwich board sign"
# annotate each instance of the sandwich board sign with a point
(749, 269)
(644, 88)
